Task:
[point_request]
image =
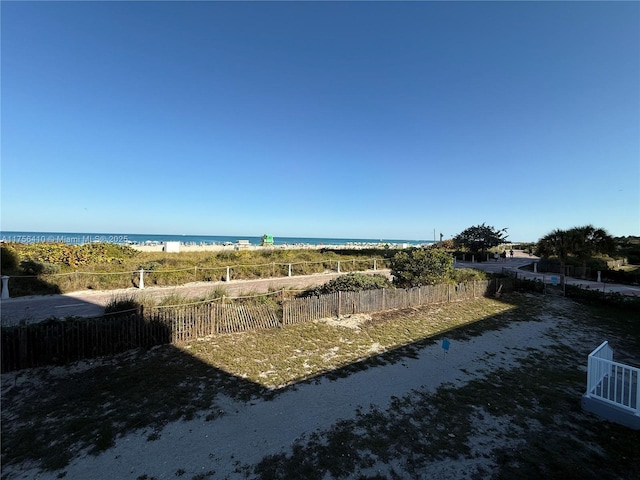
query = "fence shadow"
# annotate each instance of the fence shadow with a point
(142, 388)
(59, 342)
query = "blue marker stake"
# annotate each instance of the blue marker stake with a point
(445, 346)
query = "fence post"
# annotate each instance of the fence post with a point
(599, 276)
(23, 348)
(474, 289)
(448, 293)
(535, 267)
(5, 286)
(227, 278)
(473, 259)
(374, 265)
(141, 284)
(195, 273)
(289, 269)
(338, 266)
(339, 299)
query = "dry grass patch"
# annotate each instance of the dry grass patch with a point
(50, 415)
(276, 358)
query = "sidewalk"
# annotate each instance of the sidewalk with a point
(515, 265)
(91, 303)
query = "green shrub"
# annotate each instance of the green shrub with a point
(461, 275)
(9, 259)
(351, 282)
(149, 266)
(33, 267)
(121, 304)
(418, 266)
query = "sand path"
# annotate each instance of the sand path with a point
(247, 432)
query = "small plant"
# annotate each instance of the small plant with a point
(351, 282)
(461, 275)
(32, 267)
(150, 266)
(216, 293)
(122, 304)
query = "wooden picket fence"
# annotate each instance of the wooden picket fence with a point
(65, 341)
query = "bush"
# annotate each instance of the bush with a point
(461, 275)
(418, 266)
(32, 267)
(622, 276)
(149, 266)
(351, 282)
(9, 259)
(122, 304)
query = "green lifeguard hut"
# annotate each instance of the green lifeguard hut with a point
(267, 240)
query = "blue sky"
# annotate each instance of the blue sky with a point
(367, 120)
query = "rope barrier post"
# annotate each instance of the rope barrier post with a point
(141, 284)
(5, 287)
(338, 266)
(289, 269)
(374, 265)
(227, 278)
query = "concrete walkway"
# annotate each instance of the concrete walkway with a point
(91, 303)
(521, 260)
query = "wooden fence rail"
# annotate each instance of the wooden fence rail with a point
(63, 341)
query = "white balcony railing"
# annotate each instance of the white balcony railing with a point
(613, 382)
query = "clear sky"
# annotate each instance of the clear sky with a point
(368, 120)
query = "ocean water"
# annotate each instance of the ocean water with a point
(80, 238)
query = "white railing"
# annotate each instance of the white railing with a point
(613, 382)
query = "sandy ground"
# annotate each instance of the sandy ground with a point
(247, 432)
(229, 248)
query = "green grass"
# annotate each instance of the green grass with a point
(89, 408)
(533, 408)
(51, 414)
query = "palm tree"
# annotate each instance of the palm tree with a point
(588, 241)
(555, 244)
(581, 242)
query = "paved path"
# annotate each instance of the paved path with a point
(516, 263)
(91, 303)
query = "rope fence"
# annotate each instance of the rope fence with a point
(74, 280)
